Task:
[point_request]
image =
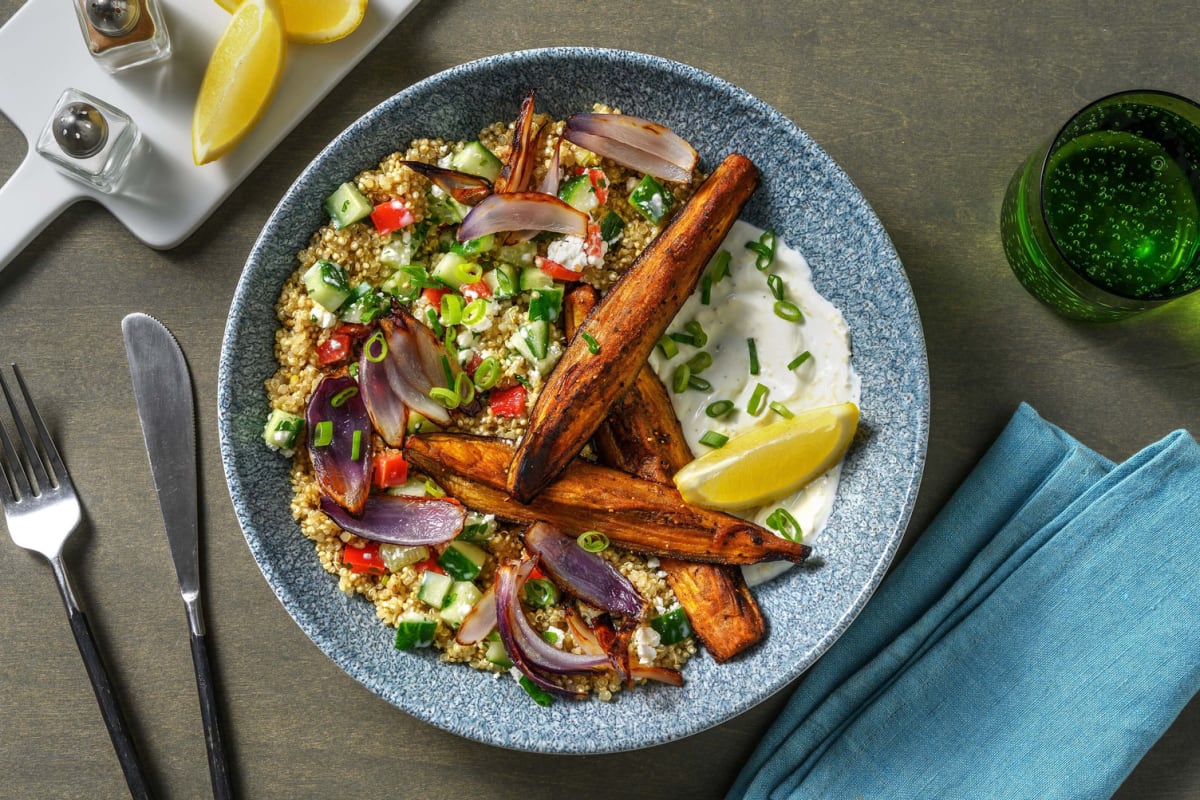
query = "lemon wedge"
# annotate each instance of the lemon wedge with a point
(767, 463)
(240, 80)
(315, 21)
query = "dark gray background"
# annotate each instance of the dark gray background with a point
(928, 106)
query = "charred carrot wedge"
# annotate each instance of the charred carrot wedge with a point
(641, 436)
(626, 323)
(635, 514)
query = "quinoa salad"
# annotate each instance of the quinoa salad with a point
(392, 256)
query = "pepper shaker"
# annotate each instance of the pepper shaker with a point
(89, 140)
(123, 33)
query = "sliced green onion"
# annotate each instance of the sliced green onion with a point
(464, 388)
(719, 408)
(800, 359)
(758, 400)
(432, 489)
(765, 250)
(696, 382)
(475, 311)
(452, 308)
(449, 373)
(593, 541)
(447, 397)
(680, 378)
(540, 593)
(341, 397)
(487, 374)
(376, 347)
(775, 284)
(713, 439)
(353, 370)
(720, 266)
(700, 362)
(699, 337)
(536, 693)
(782, 521)
(753, 348)
(356, 446)
(521, 379)
(781, 410)
(682, 338)
(706, 290)
(431, 317)
(593, 345)
(323, 433)
(785, 309)
(668, 347)
(467, 272)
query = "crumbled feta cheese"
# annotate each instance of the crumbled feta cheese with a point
(656, 205)
(322, 317)
(646, 639)
(555, 636)
(465, 339)
(631, 184)
(652, 562)
(516, 673)
(464, 355)
(568, 251)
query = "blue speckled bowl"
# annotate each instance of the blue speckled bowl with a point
(813, 206)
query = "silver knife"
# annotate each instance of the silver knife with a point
(162, 387)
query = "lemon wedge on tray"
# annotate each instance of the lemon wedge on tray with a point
(315, 21)
(240, 80)
(770, 462)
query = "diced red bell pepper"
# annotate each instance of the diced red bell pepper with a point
(389, 469)
(434, 296)
(556, 270)
(333, 350)
(537, 574)
(364, 560)
(429, 565)
(473, 363)
(508, 402)
(599, 184)
(473, 291)
(593, 246)
(391, 216)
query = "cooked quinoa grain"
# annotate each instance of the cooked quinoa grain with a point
(306, 330)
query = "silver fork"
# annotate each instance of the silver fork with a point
(42, 509)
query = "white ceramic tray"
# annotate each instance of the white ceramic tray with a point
(42, 53)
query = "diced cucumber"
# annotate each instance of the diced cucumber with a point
(435, 588)
(473, 247)
(533, 340)
(672, 626)
(651, 199)
(496, 654)
(579, 194)
(519, 255)
(463, 597)
(281, 429)
(545, 304)
(418, 423)
(414, 630)
(503, 281)
(476, 159)
(448, 269)
(405, 245)
(444, 209)
(478, 527)
(365, 305)
(534, 278)
(406, 283)
(347, 205)
(611, 228)
(462, 560)
(413, 487)
(397, 556)
(327, 284)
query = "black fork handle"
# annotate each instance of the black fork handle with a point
(114, 718)
(218, 767)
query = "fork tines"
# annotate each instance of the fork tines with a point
(38, 470)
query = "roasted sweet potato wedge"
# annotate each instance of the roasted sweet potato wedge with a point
(627, 322)
(641, 436)
(635, 514)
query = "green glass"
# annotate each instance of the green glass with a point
(1104, 221)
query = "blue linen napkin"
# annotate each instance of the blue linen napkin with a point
(1039, 637)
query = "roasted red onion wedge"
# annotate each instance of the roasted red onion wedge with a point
(464, 187)
(654, 140)
(583, 574)
(522, 211)
(518, 167)
(659, 674)
(339, 441)
(549, 184)
(387, 410)
(401, 519)
(629, 156)
(480, 620)
(414, 364)
(530, 653)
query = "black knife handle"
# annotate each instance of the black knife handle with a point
(114, 719)
(218, 766)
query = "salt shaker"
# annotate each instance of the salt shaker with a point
(89, 140)
(123, 33)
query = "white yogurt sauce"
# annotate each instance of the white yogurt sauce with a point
(742, 306)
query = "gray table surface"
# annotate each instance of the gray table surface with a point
(929, 106)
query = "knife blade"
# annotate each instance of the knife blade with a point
(162, 387)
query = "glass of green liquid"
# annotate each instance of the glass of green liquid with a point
(1104, 221)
